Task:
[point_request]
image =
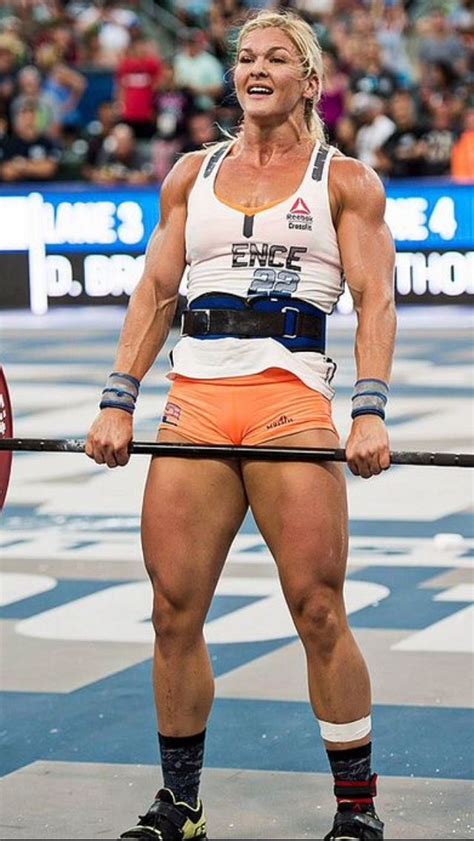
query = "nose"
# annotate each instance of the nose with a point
(259, 67)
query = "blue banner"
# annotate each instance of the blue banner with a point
(423, 215)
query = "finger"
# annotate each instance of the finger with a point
(385, 459)
(98, 456)
(96, 451)
(353, 466)
(122, 454)
(122, 457)
(110, 457)
(365, 471)
(374, 465)
(363, 463)
(89, 448)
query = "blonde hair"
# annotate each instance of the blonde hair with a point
(309, 50)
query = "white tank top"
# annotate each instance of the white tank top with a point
(287, 247)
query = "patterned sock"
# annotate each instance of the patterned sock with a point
(181, 763)
(353, 784)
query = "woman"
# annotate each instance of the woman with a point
(268, 224)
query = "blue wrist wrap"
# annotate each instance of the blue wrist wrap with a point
(369, 398)
(120, 392)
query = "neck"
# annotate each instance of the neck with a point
(268, 143)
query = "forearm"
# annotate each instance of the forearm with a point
(375, 338)
(146, 327)
(40, 169)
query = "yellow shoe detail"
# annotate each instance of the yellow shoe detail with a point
(195, 830)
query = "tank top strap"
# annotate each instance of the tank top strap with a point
(318, 169)
(212, 162)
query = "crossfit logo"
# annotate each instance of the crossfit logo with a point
(171, 414)
(299, 217)
(281, 421)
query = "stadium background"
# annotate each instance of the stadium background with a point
(78, 749)
(98, 100)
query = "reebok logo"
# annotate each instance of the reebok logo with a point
(299, 218)
(300, 207)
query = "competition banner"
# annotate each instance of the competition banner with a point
(75, 244)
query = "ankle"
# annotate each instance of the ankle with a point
(181, 764)
(356, 795)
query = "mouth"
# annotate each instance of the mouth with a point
(259, 90)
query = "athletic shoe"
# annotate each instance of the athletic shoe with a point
(356, 826)
(169, 820)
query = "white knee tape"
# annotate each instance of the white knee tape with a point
(350, 732)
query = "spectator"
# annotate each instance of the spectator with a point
(121, 161)
(202, 130)
(112, 23)
(192, 12)
(462, 161)
(174, 106)
(374, 126)
(438, 87)
(438, 41)
(374, 48)
(96, 133)
(26, 154)
(198, 70)
(64, 88)
(437, 143)
(63, 38)
(462, 16)
(391, 38)
(138, 75)
(346, 130)
(332, 103)
(374, 78)
(29, 88)
(9, 60)
(401, 156)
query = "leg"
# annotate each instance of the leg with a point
(192, 511)
(302, 513)
(301, 510)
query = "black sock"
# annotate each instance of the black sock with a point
(353, 766)
(181, 763)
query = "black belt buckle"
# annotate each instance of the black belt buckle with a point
(204, 318)
(294, 334)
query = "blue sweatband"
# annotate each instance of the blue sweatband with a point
(369, 398)
(120, 392)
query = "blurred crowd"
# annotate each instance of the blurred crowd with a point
(92, 92)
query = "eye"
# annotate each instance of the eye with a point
(244, 59)
(278, 60)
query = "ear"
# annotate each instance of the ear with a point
(312, 88)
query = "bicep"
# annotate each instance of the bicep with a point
(166, 253)
(165, 257)
(365, 242)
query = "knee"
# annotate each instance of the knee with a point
(175, 623)
(320, 620)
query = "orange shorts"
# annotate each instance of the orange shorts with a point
(247, 410)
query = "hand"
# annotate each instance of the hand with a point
(13, 169)
(109, 437)
(367, 448)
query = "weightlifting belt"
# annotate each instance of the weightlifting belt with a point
(296, 324)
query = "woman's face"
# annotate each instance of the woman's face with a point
(268, 76)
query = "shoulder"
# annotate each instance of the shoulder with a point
(179, 182)
(354, 185)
